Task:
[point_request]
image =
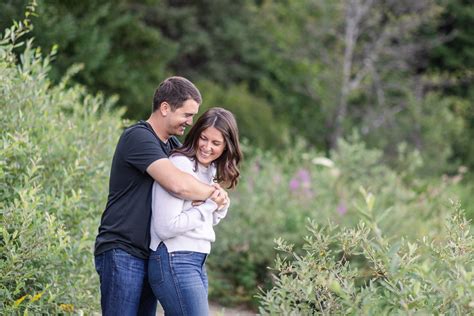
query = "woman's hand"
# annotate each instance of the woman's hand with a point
(220, 197)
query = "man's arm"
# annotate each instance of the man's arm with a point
(177, 182)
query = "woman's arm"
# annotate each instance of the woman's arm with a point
(220, 214)
(170, 220)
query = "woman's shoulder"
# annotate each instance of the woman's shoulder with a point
(182, 162)
(178, 157)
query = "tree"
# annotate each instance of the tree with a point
(118, 52)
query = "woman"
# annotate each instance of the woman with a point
(181, 234)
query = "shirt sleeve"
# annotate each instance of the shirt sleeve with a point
(168, 218)
(141, 148)
(218, 215)
(183, 163)
(206, 209)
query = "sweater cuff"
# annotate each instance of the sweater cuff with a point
(207, 208)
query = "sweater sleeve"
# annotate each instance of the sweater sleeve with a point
(220, 214)
(169, 218)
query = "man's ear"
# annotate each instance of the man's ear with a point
(164, 108)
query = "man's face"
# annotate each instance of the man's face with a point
(179, 119)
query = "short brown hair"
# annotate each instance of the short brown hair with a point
(227, 164)
(175, 91)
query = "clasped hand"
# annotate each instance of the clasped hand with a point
(219, 196)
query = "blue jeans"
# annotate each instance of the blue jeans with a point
(124, 284)
(179, 281)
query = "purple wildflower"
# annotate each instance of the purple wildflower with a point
(342, 208)
(294, 184)
(304, 175)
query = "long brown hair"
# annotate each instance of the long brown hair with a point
(227, 164)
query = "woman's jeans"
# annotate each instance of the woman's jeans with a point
(179, 281)
(124, 286)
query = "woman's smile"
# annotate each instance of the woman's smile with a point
(211, 145)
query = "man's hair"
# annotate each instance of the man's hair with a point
(175, 91)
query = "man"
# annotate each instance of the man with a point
(141, 157)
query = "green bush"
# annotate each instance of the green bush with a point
(121, 53)
(255, 116)
(56, 145)
(279, 192)
(57, 142)
(358, 271)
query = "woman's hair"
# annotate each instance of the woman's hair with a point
(227, 164)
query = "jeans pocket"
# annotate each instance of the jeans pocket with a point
(155, 270)
(127, 264)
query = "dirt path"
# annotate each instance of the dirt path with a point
(217, 310)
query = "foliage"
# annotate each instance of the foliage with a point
(56, 143)
(255, 117)
(415, 126)
(451, 67)
(429, 276)
(119, 53)
(324, 68)
(279, 192)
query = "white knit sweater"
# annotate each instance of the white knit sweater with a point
(181, 226)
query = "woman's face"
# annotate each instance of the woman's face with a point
(211, 145)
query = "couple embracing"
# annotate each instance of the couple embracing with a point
(164, 199)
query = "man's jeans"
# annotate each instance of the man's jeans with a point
(124, 284)
(179, 281)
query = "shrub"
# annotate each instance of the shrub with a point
(56, 144)
(279, 192)
(358, 271)
(255, 116)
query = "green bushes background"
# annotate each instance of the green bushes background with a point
(278, 195)
(392, 83)
(359, 271)
(57, 141)
(382, 231)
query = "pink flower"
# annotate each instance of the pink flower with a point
(342, 208)
(304, 175)
(294, 184)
